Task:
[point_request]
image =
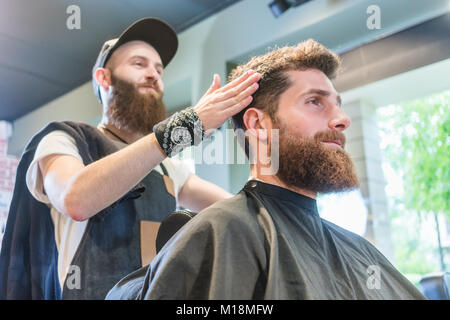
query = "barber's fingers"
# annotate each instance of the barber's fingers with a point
(234, 105)
(236, 82)
(215, 84)
(237, 90)
(224, 104)
(237, 107)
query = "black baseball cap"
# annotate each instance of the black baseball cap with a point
(154, 31)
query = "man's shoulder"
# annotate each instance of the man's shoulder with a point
(229, 222)
(73, 129)
(66, 126)
(235, 212)
(353, 240)
(344, 233)
(91, 143)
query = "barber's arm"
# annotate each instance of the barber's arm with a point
(197, 194)
(82, 191)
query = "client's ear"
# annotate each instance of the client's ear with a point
(257, 123)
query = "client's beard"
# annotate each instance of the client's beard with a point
(132, 111)
(308, 164)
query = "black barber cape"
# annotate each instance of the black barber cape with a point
(266, 242)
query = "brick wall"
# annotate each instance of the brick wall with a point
(8, 167)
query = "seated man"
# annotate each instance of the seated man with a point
(268, 241)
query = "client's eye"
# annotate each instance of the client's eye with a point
(313, 101)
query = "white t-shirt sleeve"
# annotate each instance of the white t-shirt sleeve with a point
(178, 171)
(56, 142)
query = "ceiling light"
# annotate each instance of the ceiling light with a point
(278, 7)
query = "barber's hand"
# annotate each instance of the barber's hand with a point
(218, 104)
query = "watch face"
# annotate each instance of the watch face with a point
(181, 136)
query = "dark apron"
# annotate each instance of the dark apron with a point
(111, 245)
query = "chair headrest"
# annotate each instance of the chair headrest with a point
(436, 286)
(170, 225)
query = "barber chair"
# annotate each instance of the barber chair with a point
(170, 225)
(436, 286)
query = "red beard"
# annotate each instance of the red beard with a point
(132, 111)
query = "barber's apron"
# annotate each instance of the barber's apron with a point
(121, 241)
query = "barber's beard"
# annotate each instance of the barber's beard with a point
(308, 164)
(133, 111)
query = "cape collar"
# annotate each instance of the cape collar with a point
(281, 193)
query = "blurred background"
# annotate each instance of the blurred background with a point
(395, 86)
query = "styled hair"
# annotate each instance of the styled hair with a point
(274, 81)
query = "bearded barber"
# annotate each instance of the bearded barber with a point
(85, 195)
